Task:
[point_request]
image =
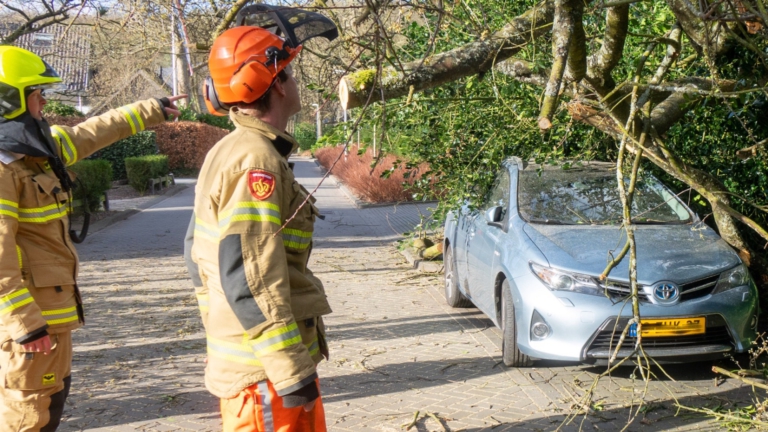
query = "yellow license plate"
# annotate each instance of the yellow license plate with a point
(673, 327)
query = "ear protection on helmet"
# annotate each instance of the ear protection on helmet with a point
(212, 99)
(251, 81)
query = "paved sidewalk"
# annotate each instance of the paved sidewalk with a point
(396, 348)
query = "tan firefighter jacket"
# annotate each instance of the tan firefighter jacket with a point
(260, 304)
(38, 262)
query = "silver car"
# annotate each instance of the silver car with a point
(531, 256)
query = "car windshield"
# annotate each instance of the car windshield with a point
(590, 196)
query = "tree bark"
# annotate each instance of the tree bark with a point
(577, 53)
(602, 63)
(562, 35)
(184, 81)
(709, 34)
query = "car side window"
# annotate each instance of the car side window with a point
(499, 194)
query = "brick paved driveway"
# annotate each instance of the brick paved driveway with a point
(395, 346)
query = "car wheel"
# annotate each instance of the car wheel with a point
(453, 296)
(510, 354)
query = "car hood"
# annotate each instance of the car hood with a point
(677, 253)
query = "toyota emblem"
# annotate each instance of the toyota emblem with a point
(666, 292)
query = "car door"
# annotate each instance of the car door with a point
(482, 245)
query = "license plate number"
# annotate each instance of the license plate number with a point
(669, 327)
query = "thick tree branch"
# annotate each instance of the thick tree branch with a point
(228, 18)
(522, 71)
(672, 109)
(701, 32)
(577, 54)
(470, 59)
(605, 60)
(562, 34)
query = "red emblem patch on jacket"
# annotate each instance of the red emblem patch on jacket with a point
(261, 184)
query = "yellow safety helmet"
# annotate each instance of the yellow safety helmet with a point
(21, 70)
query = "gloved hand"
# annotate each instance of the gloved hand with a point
(169, 107)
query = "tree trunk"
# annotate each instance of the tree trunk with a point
(183, 79)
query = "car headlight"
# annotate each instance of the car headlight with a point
(558, 280)
(733, 278)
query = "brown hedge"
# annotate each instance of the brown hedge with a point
(185, 143)
(355, 171)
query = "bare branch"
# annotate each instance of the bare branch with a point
(37, 22)
(752, 151)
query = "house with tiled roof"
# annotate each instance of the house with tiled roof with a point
(67, 48)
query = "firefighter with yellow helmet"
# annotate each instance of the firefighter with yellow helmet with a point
(40, 303)
(250, 237)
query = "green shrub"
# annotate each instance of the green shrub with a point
(305, 134)
(64, 110)
(142, 144)
(220, 122)
(94, 177)
(188, 114)
(141, 169)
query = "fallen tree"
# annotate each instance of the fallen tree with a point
(581, 79)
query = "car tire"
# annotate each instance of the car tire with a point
(510, 354)
(453, 296)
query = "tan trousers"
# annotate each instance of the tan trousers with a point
(34, 386)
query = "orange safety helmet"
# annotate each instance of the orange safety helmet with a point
(243, 64)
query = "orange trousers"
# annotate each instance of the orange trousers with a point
(258, 408)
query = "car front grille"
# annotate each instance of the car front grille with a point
(688, 291)
(607, 337)
(698, 288)
(620, 290)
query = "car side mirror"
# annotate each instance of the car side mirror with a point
(493, 216)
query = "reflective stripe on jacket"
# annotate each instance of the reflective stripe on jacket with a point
(251, 276)
(38, 262)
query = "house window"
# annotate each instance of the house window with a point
(42, 40)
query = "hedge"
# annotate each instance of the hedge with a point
(223, 122)
(187, 143)
(305, 134)
(142, 144)
(143, 168)
(61, 109)
(94, 177)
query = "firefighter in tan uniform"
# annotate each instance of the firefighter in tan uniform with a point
(251, 236)
(40, 304)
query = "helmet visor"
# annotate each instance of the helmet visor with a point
(296, 26)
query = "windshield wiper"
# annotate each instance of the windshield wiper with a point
(658, 222)
(547, 222)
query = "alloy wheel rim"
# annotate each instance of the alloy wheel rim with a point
(448, 275)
